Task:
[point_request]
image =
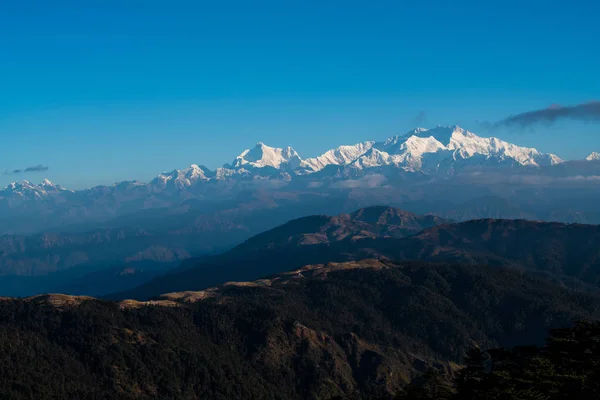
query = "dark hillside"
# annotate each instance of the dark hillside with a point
(361, 329)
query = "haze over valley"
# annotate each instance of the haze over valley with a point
(137, 230)
(299, 200)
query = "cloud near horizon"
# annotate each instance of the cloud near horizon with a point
(587, 112)
(366, 182)
(36, 168)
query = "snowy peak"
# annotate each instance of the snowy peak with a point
(342, 155)
(261, 156)
(593, 157)
(373, 158)
(443, 134)
(183, 178)
(28, 190)
(461, 144)
(416, 144)
(48, 185)
(197, 173)
(419, 149)
(441, 149)
(26, 185)
(14, 186)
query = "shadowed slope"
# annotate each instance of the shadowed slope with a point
(566, 252)
(362, 328)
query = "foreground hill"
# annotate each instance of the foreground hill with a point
(565, 252)
(360, 329)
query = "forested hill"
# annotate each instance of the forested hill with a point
(360, 329)
(567, 253)
(566, 367)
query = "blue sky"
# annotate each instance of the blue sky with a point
(101, 91)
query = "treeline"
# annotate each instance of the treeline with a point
(567, 367)
(362, 332)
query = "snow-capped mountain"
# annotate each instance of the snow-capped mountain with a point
(342, 155)
(26, 190)
(183, 178)
(262, 156)
(418, 156)
(593, 157)
(428, 149)
(437, 150)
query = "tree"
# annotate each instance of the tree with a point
(431, 386)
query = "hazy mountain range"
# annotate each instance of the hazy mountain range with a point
(321, 307)
(112, 238)
(566, 253)
(412, 160)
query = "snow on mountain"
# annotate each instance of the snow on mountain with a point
(426, 149)
(25, 187)
(593, 157)
(407, 151)
(18, 192)
(414, 141)
(46, 183)
(465, 144)
(342, 155)
(419, 150)
(183, 178)
(420, 154)
(373, 158)
(264, 156)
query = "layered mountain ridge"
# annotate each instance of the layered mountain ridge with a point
(412, 168)
(351, 306)
(565, 252)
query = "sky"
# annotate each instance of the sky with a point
(103, 91)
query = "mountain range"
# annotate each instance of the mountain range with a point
(113, 238)
(358, 322)
(440, 149)
(565, 253)
(417, 156)
(105, 261)
(354, 305)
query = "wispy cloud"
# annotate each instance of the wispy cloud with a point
(366, 182)
(588, 112)
(420, 119)
(36, 168)
(488, 177)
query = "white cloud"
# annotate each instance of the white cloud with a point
(366, 182)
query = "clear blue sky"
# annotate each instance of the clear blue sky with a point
(105, 90)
